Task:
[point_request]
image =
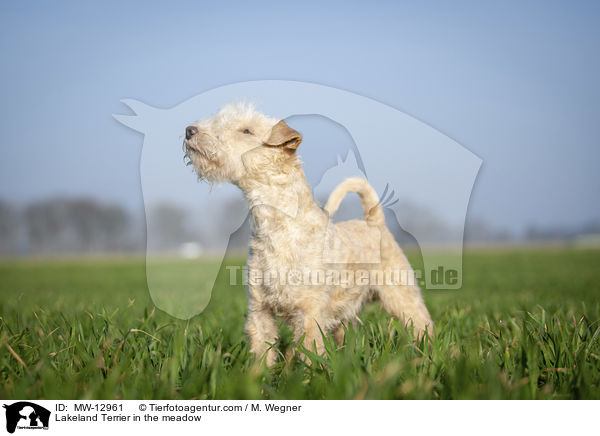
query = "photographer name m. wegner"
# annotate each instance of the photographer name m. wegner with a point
(346, 278)
(248, 407)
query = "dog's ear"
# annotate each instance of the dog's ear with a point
(283, 135)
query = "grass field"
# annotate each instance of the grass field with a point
(525, 325)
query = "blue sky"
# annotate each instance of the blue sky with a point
(515, 83)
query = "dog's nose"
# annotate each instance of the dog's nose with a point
(190, 131)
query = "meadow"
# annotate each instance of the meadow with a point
(525, 325)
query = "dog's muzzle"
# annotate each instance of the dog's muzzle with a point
(199, 143)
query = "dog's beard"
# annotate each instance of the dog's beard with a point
(201, 158)
(205, 164)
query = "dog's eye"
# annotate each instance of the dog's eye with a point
(247, 132)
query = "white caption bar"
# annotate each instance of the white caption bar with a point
(22, 417)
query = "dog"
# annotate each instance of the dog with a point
(294, 239)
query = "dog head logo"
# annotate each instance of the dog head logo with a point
(423, 177)
(26, 415)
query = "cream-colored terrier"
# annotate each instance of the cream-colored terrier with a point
(314, 273)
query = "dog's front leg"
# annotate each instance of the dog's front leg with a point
(261, 328)
(309, 327)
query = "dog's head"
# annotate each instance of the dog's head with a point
(240, 144)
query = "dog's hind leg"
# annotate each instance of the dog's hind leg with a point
(406, 304)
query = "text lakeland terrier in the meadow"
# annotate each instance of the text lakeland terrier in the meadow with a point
(292, 232)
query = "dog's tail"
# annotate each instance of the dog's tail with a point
(373, 212)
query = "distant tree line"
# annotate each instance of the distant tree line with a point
(563, 233)
(67, 226)
(85, 225)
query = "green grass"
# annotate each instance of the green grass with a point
(525, 325)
